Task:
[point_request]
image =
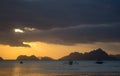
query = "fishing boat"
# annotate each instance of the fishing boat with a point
(21, 62)
(99, 62)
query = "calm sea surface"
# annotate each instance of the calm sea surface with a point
(59, 68)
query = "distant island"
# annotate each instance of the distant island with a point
(1, 58)
(24, 57)
(46, 58)
(32, 57)
(98, 54)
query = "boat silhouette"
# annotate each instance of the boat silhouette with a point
(21, 62)
(70, 62)
(99, 62)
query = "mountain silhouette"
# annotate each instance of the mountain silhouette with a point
(32, 57)
(46, 58)
(24, 57)
(98, 54)
(1, 58)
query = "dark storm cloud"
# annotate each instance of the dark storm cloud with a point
(50, 14)
(11, 39)
(76, 34)
(58, 13)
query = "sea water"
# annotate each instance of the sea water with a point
(59, 68)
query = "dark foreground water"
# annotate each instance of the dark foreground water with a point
(59, 68)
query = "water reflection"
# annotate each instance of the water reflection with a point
(58, 68)
(26, 69)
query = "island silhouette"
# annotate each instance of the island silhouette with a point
(98, 54)
(32, 57)
(1, 58)
(24, 57)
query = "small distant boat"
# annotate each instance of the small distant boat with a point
(21, 62)
(99, 62)
(70, 62)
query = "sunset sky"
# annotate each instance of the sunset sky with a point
(56, 28)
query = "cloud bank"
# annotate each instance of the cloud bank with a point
(65, 22)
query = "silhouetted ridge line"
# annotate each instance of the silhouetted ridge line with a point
(1, 58)
(24, 57)
(46, 58)
(33, 57)
(98, 54)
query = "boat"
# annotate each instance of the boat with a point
(99, 62)
(21, 62)
(70, 62)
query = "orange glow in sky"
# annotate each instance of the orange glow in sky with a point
(44, 49)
